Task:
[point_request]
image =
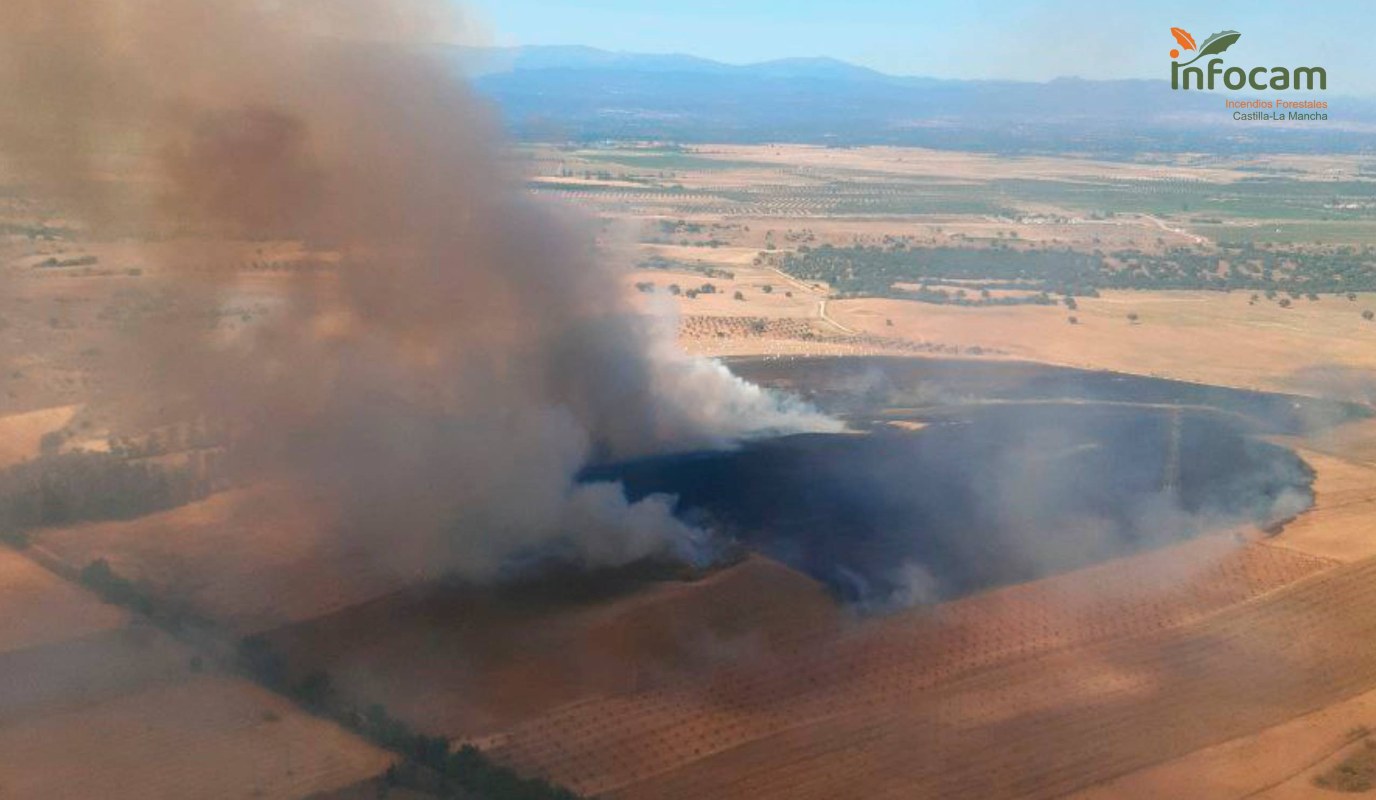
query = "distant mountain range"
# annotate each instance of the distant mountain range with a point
(582, 93)
(489, 60)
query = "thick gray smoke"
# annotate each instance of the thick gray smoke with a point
(466, 354)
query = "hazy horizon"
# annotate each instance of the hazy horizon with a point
(1011, 41)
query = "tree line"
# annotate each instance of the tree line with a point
(944, 274)
(429, 765)
(66, 488)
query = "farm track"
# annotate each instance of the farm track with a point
(836, 710)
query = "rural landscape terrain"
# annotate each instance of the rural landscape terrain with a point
(654, 468)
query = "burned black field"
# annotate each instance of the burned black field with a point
(1015, 472)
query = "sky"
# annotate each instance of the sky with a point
(997, 39)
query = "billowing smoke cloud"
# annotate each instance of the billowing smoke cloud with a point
(466, 353)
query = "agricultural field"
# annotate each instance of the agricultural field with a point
(82, 681)
(228, 739)
(387, 415)
(1251, 264)
(45, 609)
(1079, 716)
(627, 744)
(22, 434)
(318, 665)
(246, 558)
(504, 663)
(786, 181)
(1252, 273)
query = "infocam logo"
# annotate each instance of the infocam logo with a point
(1184, 76)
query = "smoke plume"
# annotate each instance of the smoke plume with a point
(465, 353)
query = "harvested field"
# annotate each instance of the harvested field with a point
(37, 607)
(1342, 524)
(1045, 726)
(632, 741)
(1278, 763)
(204, 737)
(461, 662)
(241, 557)
(75, 673)
(20, 434)
(143, 717)
(1229, 342)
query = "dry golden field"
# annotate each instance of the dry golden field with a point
(245, 557)
(96, 704)
(880, 674)
(205, 736)
(488, 666)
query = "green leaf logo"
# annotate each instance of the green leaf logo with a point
(1215, 44)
